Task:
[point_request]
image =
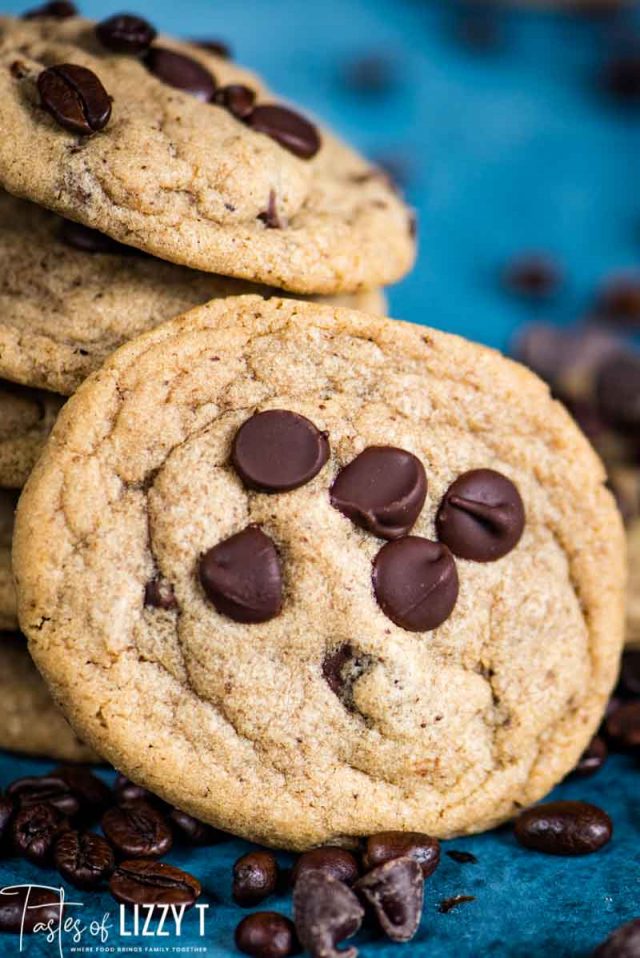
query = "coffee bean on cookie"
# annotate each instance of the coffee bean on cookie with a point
(181, 72)
(330, 860)
(395, 890)
(416, 583)
(266, 934)
(386, 846)
(255, 877)
(126, 33)
(564, 828)
(481, 516)
(236, 98)
(137, 830)
(153, 883)
(383, 490)
(57, 10)
(278, 450)
(241, 577)
(75, 98)
(326, 912)
(83, 859)
(287, 128)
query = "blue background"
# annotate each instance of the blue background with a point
(503, 151)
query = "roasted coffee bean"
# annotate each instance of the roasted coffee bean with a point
(395, 890)
(83, 859)
(266, 934)
(236, 98)
(533, 276)
(383, 490)
(330, 860)
(35, 830)
(326, 912)
(630, 674)
(287, 128)
(75, 98)
(592, 759)
(278, 450)
(7, 810)
(619, 302)
(618, 390)
(623, 726)
(564, 828)
(57, 10)
(182, 72)
(159, 594)
(218, 47)
(448, 904)
(241, 577)
(22, 907)
(192, 831)
(48, 789)
(125, 33)
(622, 943)
(255, 876)
(415, 582)
(92, 793)
(137, 830)
(153, 883)
(387, 846)
(462, 858)
(481, 516)
(126, 791)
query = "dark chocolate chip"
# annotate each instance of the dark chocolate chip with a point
(395, 890)
(48, 789)
(22, 907)
(83, 859)
(242, 578)
(266, 934)
(341, 668)
(330, 860)
(181, 72)
(236, 98)
(619, 302)
(387, 846)
(86, 240)
(533, 277)
(618, 390)
(255, 877)
(126, 33)
(75, 98)
(137, 830)
(326, 912)
(564, 828)
(462, 858)
(218, 47)
(481, 516)
(623, 726)
(448, 904)
(383, 490)
(159, 594)
(630, 674)
(57, 10)
(287, 128)
(153, 883)
(34, 831)
(278, 450)
(192, 831)
(416, 583)
(592, 759)
(622, 943)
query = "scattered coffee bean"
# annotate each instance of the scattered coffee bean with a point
(24, 906)
(92, 793)
(159, 594)
(341, 669)
(86, 240)
(241, 577)
(181, 72)
(326, 912)
(619, 302)
(533, 276)
(57, 10)
(463, 858)
(622, 943)
(395, 890)
(192, 831)
(137, 830)
(592, 759)
(236, 98)
(7, 809)
(153, 883)
(387, 846)
(564, 828)
(287, 128)
(623, 726)
(448, 904)
(330, 860)
(126, 791)
(255, 876)
(618, 390)
(34, 832)
(630, 674)
(75, 98)
(218, 47)
(48, 789)
(383, 490)
(415, 583)
(126, 33)
(278, 450)
(83, 859)
(266, 934)
(481, 516)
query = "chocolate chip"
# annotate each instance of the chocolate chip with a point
(481, 516)
(619, 302)
(383, 490)
(533, 277)
(181, 72)
(592, 759)
(241, 577)
(75, 98)
(341, 668)
(236, 98)
(564, 828)
(159, 594)
(153, 883)
(395, 890)
(266, 934)
(630, 674)
(57, 10)
(87, 240)
(137, 830)
(623, 726)
(387, 846)
(218, 47)
(287, 128)
(330, 860)
(416, 583)
(22, 907)
(34, 831)
(83, 859)
(48, 789)
(326, 912)
(278, 450)
(255, 876)
(126, 33)
(462, 858)
(622, 943)
(192, 831)
(448, 904)
(618, 390)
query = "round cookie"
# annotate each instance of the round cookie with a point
(8, 617)
(188, 180)
(64, 305)
(30, 722)
(245, 652)
(26, 419)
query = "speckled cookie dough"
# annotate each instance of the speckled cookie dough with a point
(8, 617)
(277, 698)
(26, 419)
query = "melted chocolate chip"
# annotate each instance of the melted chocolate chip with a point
(241, 577)
(236, 98)
(564, 828)
(416, 583)
(287, 128)
(341, 668)
(126, 33)
(181, 72)
(395, 890)
(159, 594)
(326, 912)
(481, 516)
(75, 98)
(278, 450)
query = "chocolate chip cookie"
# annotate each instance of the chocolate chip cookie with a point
(8, 618)
(26, 419)
(176, 151)
(309, 574)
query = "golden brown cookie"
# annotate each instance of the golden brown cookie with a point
(8, 618)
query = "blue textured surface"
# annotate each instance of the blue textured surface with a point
(504, 151)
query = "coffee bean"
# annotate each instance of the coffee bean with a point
(287, 128)
(330, 860)
(153, 883)
(57, 10)
(387, 846)
(619, 302)
(373, 74)
(592, 759)
(22, 907)
(241, 577)
(395, 890)
(622, 943)
(623, 726)
(235, 98)
(564, 828)
(7, 810)
(383, 490)
(34, 831)
(266, 934)
(181, 72)
(618, 390)
(481, 516)
(218, 47)
(159, 594)
(126, 791)
(86, 240)
(533, 277)
(341, 668)
(75, 98)
(192, 831)
(462, 858)
(92, 793)
(255, 876)
(125, 33)
(278, 450)
(326, 912)
(621, 78)
(630, 674)
(83, 859)
(448, 904)
(45, 789)
(416, 583)
(137, 830)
